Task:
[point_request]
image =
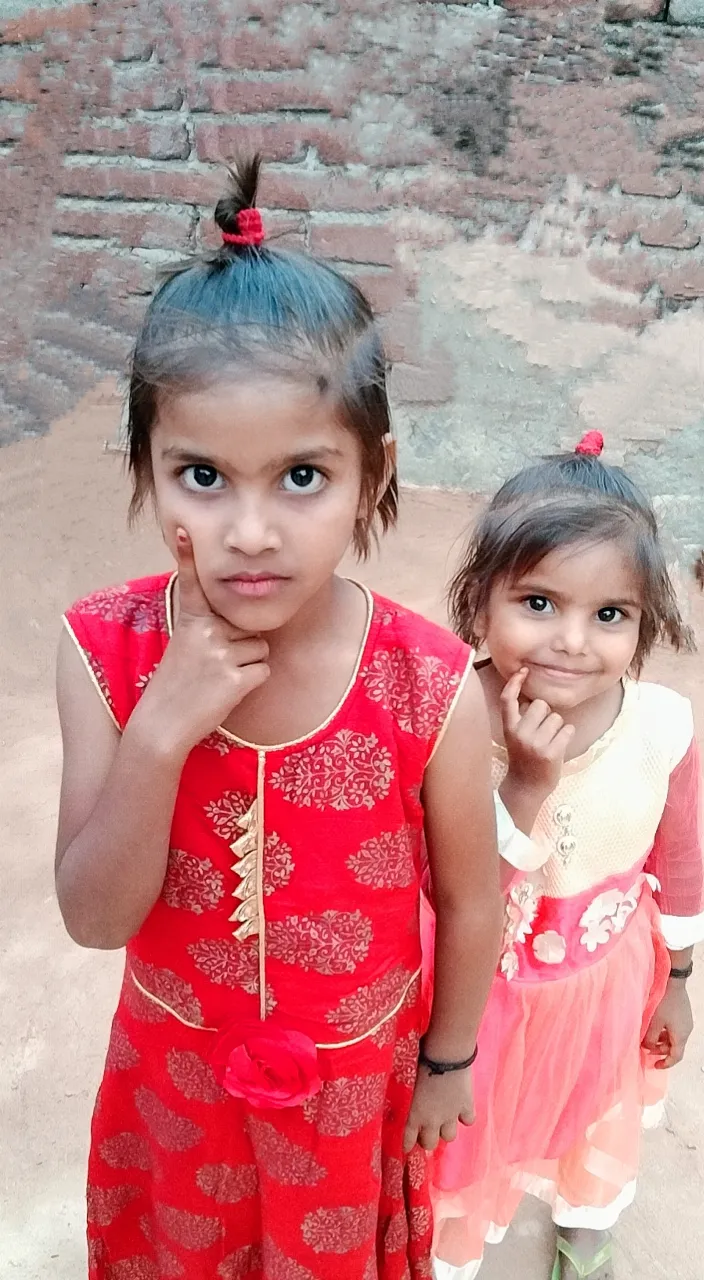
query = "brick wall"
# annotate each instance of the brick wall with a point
(519, 189)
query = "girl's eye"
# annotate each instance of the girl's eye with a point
(303, 479)
(200, 477)
(610, 614)
(539, 604)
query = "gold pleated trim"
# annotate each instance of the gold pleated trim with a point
(341, 1044)
(246, 849)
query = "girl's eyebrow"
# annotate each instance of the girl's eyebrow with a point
(302, 457)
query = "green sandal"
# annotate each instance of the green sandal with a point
(582, 1269)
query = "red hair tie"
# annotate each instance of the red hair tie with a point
(591, 445)
(250, 229)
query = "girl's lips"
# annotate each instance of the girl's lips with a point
(560, 673)
(256, 585)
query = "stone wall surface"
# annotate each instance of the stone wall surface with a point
(519, 188)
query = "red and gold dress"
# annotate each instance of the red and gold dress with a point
(262, 1059)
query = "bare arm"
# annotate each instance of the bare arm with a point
(118, 792)
(461, 837)
(460, 828)
(117, 800)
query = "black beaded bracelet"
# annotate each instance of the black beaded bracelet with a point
(683, 973)
(443, 1068)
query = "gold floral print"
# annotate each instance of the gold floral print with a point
(347, 771)
(171, 1131)
(333, 942)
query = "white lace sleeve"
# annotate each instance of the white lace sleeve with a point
(515, 846)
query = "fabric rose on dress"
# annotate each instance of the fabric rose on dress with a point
(266, 1065)
(550, 947)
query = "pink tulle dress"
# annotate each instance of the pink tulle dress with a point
(611, 878)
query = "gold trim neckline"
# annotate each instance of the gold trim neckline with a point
(295, 742)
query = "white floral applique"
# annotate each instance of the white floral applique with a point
(521, 910)
(549, 947)
(605, 916)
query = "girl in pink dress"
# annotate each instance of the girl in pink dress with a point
(254, 749)
(565, 584)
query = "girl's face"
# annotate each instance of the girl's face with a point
(574, 622)
(267, 483)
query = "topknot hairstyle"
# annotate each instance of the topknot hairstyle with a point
(248, 309)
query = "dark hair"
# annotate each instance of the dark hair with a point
(562, 501)
(265, 312)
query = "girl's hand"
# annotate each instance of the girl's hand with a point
(536, 739)
(670, 1026)
(439, 1103)
(208, 668)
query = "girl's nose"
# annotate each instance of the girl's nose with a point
(571, 635)
(250, 531)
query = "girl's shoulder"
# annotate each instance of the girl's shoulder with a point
(664, 716)
(140, 604)
(121, 633)
(402, 628)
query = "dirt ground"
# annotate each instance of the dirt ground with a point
(62, 533)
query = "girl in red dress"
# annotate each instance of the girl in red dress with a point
(254, 748)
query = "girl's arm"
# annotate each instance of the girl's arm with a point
(460, 827)
(118, 791)
(117, 800)
(460, 830)
(676, 861)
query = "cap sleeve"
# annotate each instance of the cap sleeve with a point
(675, 859)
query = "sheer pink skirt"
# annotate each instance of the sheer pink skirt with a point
(561, 1089)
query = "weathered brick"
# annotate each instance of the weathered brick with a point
(632, 10)
(118, 274)
(131, 46)
(285, 91)
(663, 186)
(402, 333)
(624, 225)
(669, 232)
(19, 78)
(12, 122)
(33, 25)
(320, 190)
(632, 272)
(258, 51)
(626, 316)
(156, 140)
(354, 242)
(282, 140)
(384, 289)
(133, 228)
(134, 90)
(122, 182)
(684, 283)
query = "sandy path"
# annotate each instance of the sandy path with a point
(62, 533)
